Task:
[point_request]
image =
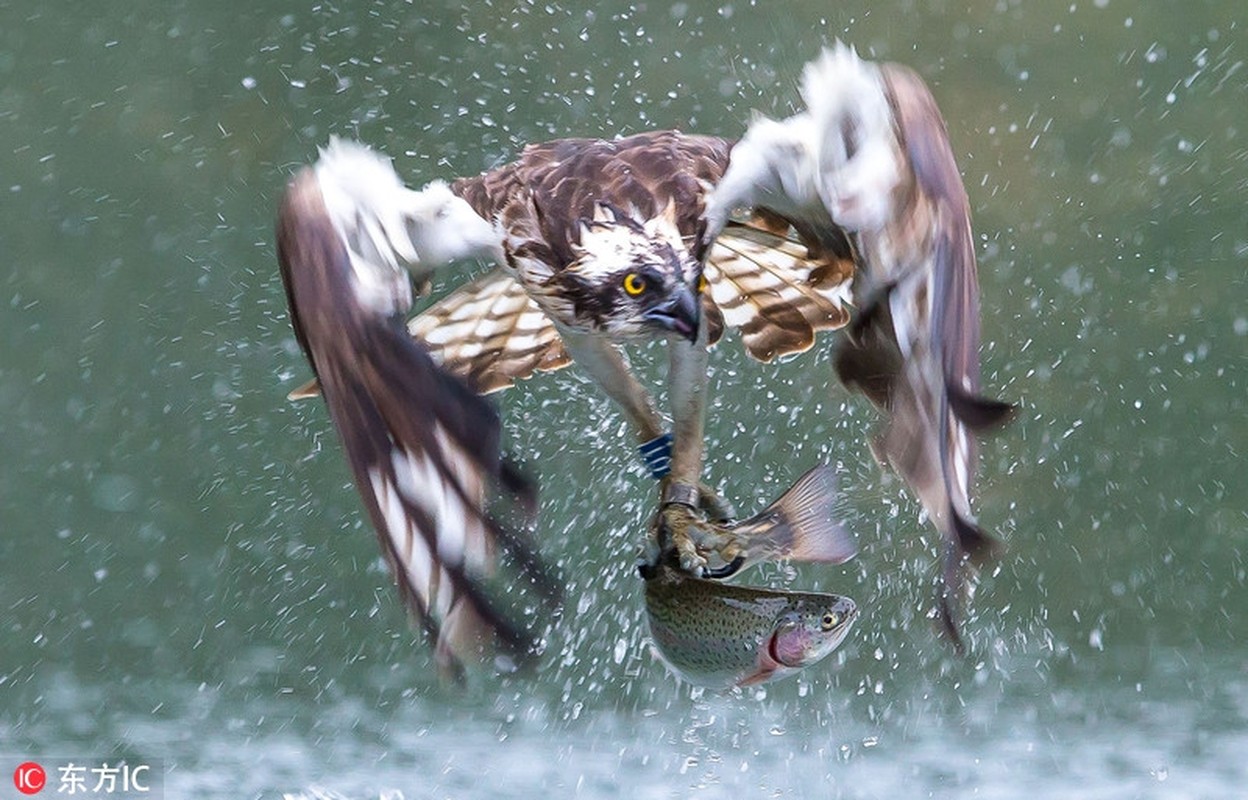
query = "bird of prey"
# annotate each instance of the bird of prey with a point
(658, 235)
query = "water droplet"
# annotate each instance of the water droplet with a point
(116, 492)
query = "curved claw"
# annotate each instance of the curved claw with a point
(691, 561)
(716, 508)
(726, 571)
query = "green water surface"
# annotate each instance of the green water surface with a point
(185, 574)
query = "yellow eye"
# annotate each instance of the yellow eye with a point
(702, 284)
(634, 284)
(830, 620)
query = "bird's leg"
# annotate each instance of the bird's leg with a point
(607, 366)
(687, 381)
(683, 494)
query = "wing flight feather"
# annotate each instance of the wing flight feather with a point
(491, 333)
(763, 284)
(870, 156)
(422, 445)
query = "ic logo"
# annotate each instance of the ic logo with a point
(30, 778)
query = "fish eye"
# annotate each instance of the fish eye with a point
(830, 620)
(634, 284)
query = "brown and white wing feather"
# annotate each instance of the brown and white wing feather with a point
(919, 336)
(423, 447)
(935, 311)
(770, 287)
(491, 333)
(870, 156)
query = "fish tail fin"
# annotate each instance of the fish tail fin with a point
(801, 525)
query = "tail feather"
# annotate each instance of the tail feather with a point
(801, 525)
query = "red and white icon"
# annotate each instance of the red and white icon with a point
(29, 778)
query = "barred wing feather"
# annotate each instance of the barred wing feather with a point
(423, 447)
(490, 333)
(768, 286)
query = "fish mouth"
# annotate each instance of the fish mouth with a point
(681, 314)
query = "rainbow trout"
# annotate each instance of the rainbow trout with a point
(717, 635)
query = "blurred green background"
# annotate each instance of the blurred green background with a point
(185, 574)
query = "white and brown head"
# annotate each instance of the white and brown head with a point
(633, 277)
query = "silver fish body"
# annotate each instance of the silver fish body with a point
(719, 635)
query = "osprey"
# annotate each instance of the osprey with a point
(658, 235)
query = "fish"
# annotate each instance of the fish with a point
(800, 526)
(719, 635)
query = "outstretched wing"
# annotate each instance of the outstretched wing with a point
(870, 155)
(924, 273)
(423, 447)
(774, 289)
(491, 333)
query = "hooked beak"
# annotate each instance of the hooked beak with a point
(680, 314)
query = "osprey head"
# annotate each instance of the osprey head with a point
(634, 278)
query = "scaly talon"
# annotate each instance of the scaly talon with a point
(702, 547)
(676, 528)
(684, 535)
(651, 552)
(701, 497)
(716, 508)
